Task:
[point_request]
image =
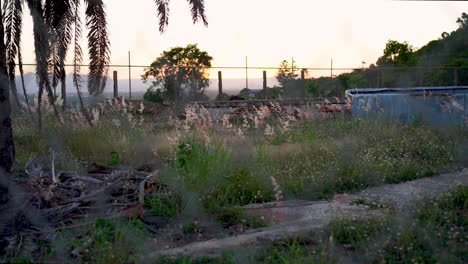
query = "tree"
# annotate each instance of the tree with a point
(179, 73)
(56, 26)
(463, 21)
(397, 54)
(286, 72)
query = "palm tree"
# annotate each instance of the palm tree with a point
(57, 26)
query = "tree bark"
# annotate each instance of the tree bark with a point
(7, 149)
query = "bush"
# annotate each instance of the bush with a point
(154, 95)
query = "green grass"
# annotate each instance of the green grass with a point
(354, 234)
(438, 233)
(216, 173)
(106, 241)
(163, 203)
(295, 250)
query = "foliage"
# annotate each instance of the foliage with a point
(293, 250)
(355, 234)
(397, 54)
(178, 73)
(286, 72)
(104, 242)
(401, 65)
(438, 236)
(163, 203)
(155, 95)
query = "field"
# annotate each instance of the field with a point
(126, 187)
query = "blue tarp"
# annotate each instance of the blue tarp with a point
(446, 106)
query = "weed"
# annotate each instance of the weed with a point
(114, 159)
(372, 205)
(407, 248)
(190, 228)
(354, 234)
(187, 260)
(439, 234)
(292, 251)
(163, 203)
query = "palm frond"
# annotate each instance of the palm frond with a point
(197, 8)
(60, 20)
(163, 13)
(13, 22)
(55, 10)
(78, 59)
(21, 70)
(78, 52)
(98, 44)
(42, 51)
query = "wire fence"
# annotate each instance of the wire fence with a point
(125, 80)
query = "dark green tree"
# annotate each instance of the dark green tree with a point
(398, 54)
(179, 73)
(286, 72)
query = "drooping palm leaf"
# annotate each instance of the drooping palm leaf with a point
(77, 52)
(98, 44)
(42, 51)
(59, 15)
(78, 59)
(13, 26)
(163, 13)
(13, 22)
(197, 8)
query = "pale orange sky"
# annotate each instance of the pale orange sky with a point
(268, 31)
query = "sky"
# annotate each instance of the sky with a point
(269, 31)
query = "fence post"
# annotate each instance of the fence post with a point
(303, 74)
(455, 77)
(380, 85)
(63, 79)
(421, 77)
(220, 84)
(116, 85)
(129, 76)
(264, 80)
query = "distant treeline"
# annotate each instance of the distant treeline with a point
(441, 62)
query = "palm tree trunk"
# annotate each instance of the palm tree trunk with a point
(20, 65)
(82, 107)
(7, 148)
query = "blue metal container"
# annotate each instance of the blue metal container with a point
(445, 106)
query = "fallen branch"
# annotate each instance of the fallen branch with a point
(86, 197)
(141, 194)
(52, 167)
(76, 176)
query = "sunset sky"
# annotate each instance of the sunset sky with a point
(268, 31)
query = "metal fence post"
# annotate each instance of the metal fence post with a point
(116, 85)
(264, 80)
